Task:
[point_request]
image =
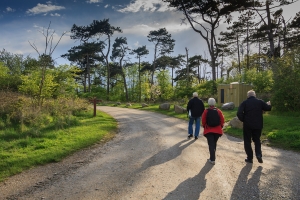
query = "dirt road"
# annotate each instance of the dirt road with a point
(150, 158)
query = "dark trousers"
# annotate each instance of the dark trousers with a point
(253, 134)
(212, 139)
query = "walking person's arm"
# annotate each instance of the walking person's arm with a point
(240, 112)
(267, 106)
(203, 118)
(222, 119)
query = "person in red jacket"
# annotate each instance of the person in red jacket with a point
(212, 133)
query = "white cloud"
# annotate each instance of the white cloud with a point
(9, 9)
(106, 6)
(43, 8)
(140, 29)
(144, 29)
(94, 1)
(137, 44)
(150, 6)
(55, 15)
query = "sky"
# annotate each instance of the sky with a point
(22, 22)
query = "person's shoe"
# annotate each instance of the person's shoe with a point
(248, 160)
(196, 137)
(259, 159)
(211, 162)
(190, 136)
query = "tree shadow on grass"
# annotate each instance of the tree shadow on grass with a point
(191, 188)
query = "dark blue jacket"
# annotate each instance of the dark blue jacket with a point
(196, 106)
(250, 112)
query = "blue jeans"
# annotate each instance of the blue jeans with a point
(197, 126)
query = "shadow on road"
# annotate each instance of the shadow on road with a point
(245, 188)
(192, 187)
(166, 155)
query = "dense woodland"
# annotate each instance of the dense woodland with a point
(259, 47)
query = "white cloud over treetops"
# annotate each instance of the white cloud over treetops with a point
(149, 5)
(94, 1)
(43, 8)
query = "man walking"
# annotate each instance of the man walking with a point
(195, 108)
(250, 112)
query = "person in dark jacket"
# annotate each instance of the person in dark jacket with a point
(212, 133)
(250, 112)
(195, 108)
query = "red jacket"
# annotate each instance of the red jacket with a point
(216, 129)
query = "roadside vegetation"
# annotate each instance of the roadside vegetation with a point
(21, 150)
(36, 131)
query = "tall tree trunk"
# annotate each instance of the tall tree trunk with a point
(88, 72)
(248, 42)
(124, 79)
(125, 86)
(84, 81)
(172, 76)
(108, 69)
(270, 29)
(153, 66)
(140, 84)
(213, 55)
(108, 80)
(284, 35)
(187, 66)
(239, 56)
(199, 75)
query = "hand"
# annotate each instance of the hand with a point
(269, 103)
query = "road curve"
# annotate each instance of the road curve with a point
(151, 158)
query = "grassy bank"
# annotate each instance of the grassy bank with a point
(20, 151)
(280, 129)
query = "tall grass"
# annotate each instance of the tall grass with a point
(20, 151)
(32, 135)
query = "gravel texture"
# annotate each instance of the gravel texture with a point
(151, 158)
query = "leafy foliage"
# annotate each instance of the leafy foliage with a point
(262, 81)
(286, 89)
(31, 85)
(165, 86)
(206, 89)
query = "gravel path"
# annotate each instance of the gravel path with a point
(150, 158)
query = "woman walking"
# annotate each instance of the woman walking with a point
(212, 122)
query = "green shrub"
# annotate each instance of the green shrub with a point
(286, 89)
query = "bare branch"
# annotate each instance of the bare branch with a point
(34, 47)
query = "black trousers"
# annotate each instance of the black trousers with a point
(212, 139)
(253, 134)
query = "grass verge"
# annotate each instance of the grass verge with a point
(280, 129)
(20, 151)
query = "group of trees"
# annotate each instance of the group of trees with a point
(102, 67)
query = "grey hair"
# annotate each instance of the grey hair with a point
(195, 94)
(251, 93)
(211, 102)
